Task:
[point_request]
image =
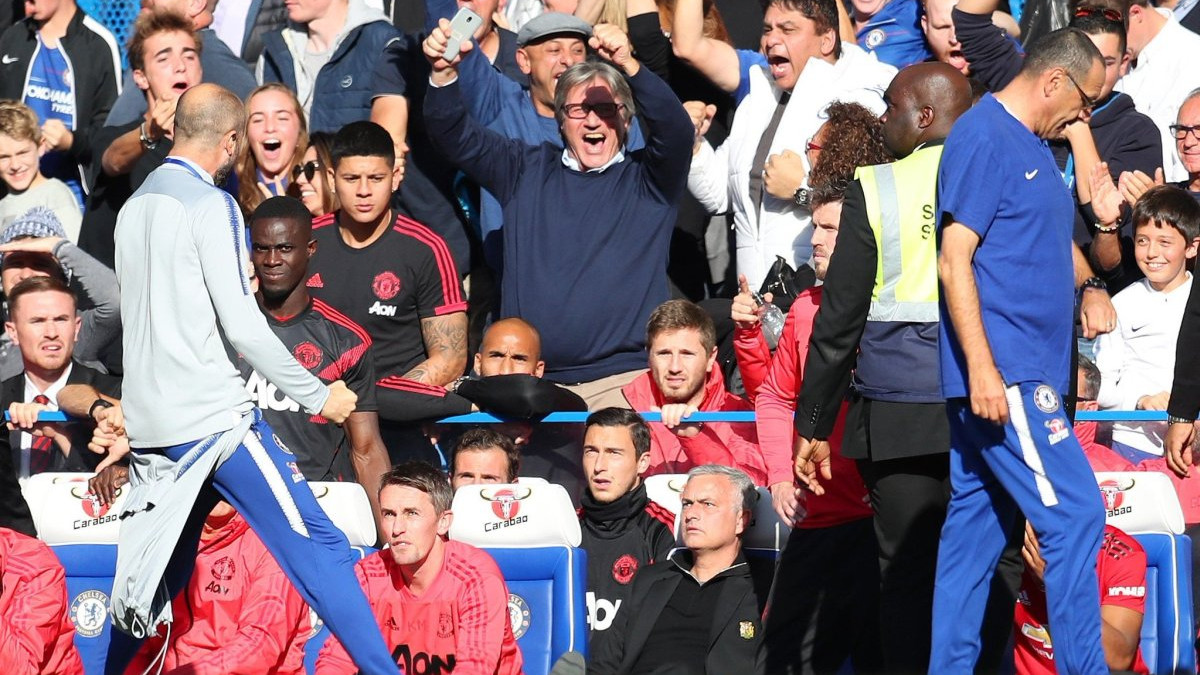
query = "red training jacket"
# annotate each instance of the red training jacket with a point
(730, 443)
(774, 385)
(240, 615)
(459, 624)
(36, 633)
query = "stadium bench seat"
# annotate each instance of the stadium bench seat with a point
(1144, 505)
(532, 532)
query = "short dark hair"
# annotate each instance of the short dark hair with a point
(1168, 206)
(622, 417)
(675, 315)
(1093, 22)
(482, 438)
(1067, 48)
(149, 24)
(284, 208)
(1089, 378)
(38, 284)
(362, 139)
(421, 476)
(823, 13)
(34, 260)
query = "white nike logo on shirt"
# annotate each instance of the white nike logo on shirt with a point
(1030, 174)
(9, 59)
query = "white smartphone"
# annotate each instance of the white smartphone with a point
(462, 28)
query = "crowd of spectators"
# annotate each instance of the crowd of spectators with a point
(617, 206)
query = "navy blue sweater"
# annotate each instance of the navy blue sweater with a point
(585, 254)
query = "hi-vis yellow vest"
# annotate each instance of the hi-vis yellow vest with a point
(901, 200)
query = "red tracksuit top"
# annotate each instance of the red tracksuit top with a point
(459, 624)
(240, 615)
(36, 633)
(774, 385)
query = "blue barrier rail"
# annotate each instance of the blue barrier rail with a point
(742, 416)
(748, 416)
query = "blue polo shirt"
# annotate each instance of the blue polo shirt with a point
(1000, 180)
(894, 34)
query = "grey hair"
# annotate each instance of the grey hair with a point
(585, 71)
(1191, 95)
(1068, 48)
(738, 478)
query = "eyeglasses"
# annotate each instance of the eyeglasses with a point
(309, 169)
(578, 111)
(1181, 131)
(812, 147)
(1089, 103)
(1110, 14)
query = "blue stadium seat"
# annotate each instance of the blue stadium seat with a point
(1144, 505)
(84, 537)
(532, 532)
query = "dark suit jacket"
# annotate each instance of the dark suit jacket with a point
(80, 459)
(735, 638)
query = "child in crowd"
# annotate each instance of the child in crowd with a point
(1137, 360)
(20, 149)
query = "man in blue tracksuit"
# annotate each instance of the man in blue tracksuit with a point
(185, 292)
(1006, 264)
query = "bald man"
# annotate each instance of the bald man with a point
(186, 291)
(896, 426)
(509, 367)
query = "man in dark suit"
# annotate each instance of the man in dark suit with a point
(43, 323)
(697, 613)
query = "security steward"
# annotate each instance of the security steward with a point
(880, 305)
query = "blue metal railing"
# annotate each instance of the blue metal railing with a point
(740, 416)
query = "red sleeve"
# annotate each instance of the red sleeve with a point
(33, 627)
(776, 404)
(1122, 571)
(753, 357)
(267, 624)
(482, 618)
(440, 291)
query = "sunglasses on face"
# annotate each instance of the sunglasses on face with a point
(309, 169)
(578, 111)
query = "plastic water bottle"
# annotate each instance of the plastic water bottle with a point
(772, 320)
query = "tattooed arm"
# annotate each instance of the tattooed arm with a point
(445, 340)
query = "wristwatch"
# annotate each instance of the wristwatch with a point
(802, 196)
(98, 403)
(1094, 282)
(147, 143)
(1171, 419)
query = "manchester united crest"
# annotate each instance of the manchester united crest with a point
(386, 285)
(624, 569)
(307, 354)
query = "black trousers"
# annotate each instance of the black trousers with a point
(824, 604)
(909, 496)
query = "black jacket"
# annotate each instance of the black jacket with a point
(81, 459)
(621, 539)
(95, 62)
(735, 637)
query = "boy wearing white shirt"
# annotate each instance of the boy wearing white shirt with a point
(1137, 360)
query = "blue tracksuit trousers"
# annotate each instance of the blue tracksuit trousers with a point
(1032, 465)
